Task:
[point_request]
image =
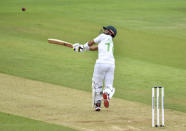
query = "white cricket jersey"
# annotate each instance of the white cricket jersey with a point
(105, 49)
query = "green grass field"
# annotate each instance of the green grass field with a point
(149, 48)
(9, 122)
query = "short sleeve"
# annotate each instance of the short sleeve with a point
(98, 39)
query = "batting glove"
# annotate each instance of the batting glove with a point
(81, 48)
(76, 47)
(86, 47)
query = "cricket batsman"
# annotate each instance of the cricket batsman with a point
(104, 67)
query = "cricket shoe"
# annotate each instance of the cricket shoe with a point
(106, 100)
(98, 106)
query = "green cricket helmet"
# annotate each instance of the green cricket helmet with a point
(112, 29)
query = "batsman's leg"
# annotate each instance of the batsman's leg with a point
(97, 95)
(108, 91)
(97, 84)
(93, 97)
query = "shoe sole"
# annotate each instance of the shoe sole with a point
(106, 100)
(98, 109)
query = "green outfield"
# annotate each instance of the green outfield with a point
(9, 122)
(149, 48)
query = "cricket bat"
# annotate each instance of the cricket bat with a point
(60, 42)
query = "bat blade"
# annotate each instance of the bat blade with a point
(60, 42)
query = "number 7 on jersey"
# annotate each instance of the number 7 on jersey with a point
(108, 46)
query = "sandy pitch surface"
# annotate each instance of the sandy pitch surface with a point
(72, 108)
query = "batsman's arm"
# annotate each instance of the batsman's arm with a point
(91, 43)
(91, 47)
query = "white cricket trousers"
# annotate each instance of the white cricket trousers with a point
(103, 73)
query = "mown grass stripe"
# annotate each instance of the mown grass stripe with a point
(10, 122)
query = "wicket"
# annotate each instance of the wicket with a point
(157, 105)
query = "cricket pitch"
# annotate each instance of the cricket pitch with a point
(72, 108)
